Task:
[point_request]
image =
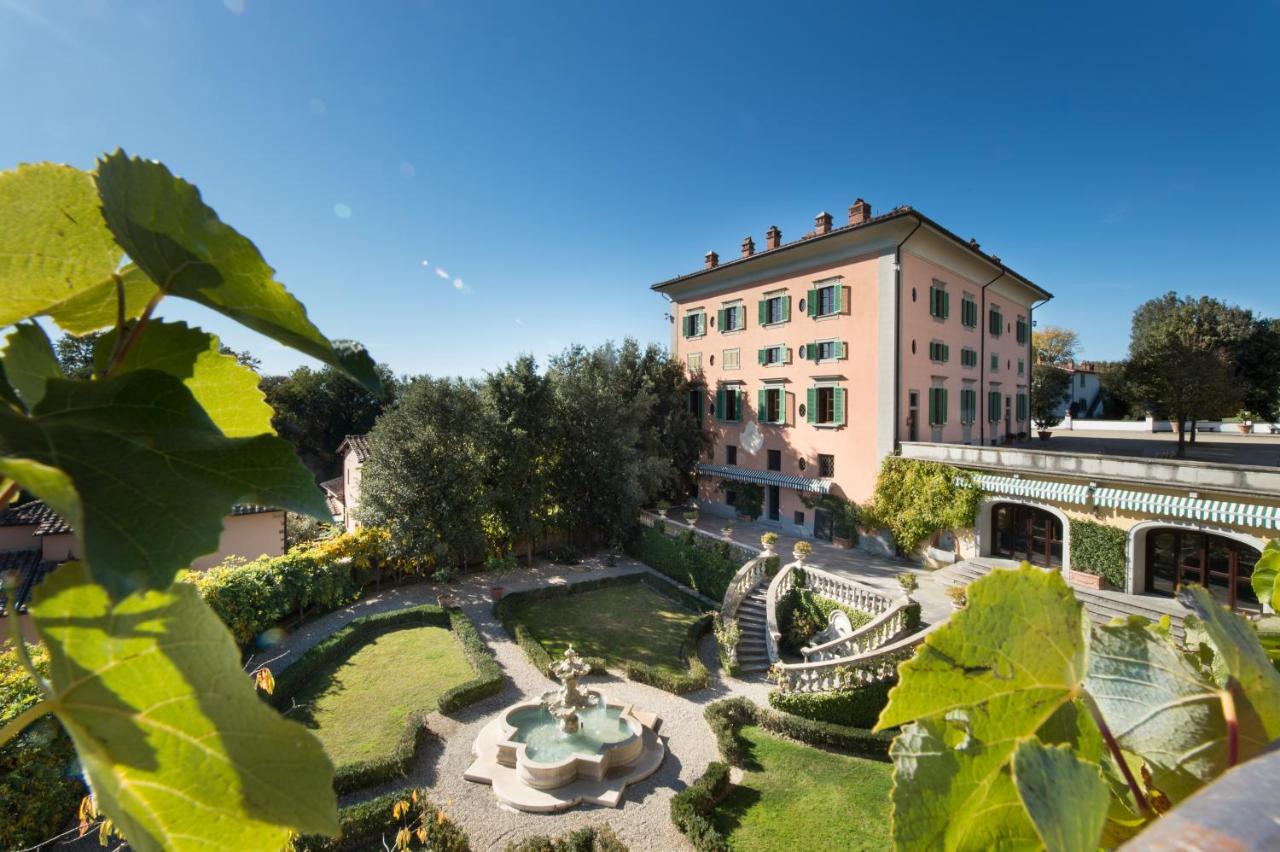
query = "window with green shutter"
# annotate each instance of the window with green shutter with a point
(995, 323)
(939, 352)
(826, 301)
(995, 363)
(1021, 328)
(937, 406)
(939, 301)
(811, 405)
(770, 405)
(968, 406)
(1022, 407)
(968, 357)
(775, 310)
(837, 406)
(811, 303)
(968, 313)
(993, 406)
(695, 325)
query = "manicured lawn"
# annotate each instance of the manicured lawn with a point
(358, 708)
(797, 797)
(618, 623)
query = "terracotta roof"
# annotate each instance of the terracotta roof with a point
(46, 521)
(334, 495)
(812, 237)
(30, 570)
(359, 445)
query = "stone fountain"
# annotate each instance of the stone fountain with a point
(571, 746)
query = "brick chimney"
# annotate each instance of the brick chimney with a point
(974, 244)
(859, 212)
(822, 223)
(748, 246)
(712, 260)
(772, 238)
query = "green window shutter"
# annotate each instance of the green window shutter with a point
(760, 356)
(946, 352)
(806, 354)
(786, 308)
(742, 315)
(764, 311)
(942, 392)
(687, 326)
(946, 305)
(811, 304)
(701, 324)
(842, 349)
(933, 406)
(720, 318)
(837, 299)
(933, 312)
(811, 405)
(837, 406)
(762, 407)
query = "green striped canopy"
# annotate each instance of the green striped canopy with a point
(766, 477)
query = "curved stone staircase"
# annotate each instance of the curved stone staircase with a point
(753, 651)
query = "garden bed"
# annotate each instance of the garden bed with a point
(366, 690)
(637, 623)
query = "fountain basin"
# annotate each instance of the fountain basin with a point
(533, 766)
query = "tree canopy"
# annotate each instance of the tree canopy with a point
(1050, 385)
(1055, 345)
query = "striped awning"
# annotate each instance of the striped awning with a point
(765, 477)
(1195, 508)
(1063, 492)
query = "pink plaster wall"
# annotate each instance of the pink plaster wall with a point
(249, 536)
(853, 444)
(918, 371)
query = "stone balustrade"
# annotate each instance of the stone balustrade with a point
(872, 666)
(748, 577)
(873, 634)
(847, 592)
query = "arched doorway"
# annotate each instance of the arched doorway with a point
(1026, 532)
(1175, 556)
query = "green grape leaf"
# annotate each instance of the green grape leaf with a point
(1159, 705)
(97, 307)
(179, 750)
(53, 242)
(180, 242)
(1021, 636)
(225, 389)
(1066, 798)
(1007, 666)
(7, 393)
(152, 476)
(1253, 681)
(29, 361)
(1265, 574)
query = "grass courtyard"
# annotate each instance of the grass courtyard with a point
(358, 706)
(628, 622)
(793, 795)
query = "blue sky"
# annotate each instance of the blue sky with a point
(554, 159)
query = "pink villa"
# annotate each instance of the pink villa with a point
(812, 360)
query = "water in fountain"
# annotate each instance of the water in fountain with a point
(544, 741)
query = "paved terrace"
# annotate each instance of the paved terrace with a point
(1215, 447)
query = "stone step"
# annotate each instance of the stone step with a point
(752, 617)
(752, 606)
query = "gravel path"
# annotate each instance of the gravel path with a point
(643, 821)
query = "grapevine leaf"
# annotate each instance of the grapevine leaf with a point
(97, 307)
(7, 393)
(951, 791)
(1021, 637)
(1066, 798)
(46, 482)
(180, 752)
(29, 361)
(1254, 683)
(152, 475)
(180, 242)
(1007, 666)
(1265, 574)
(1159, 705)
(53, 242)
(225, 389)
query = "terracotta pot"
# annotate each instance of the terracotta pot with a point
(496, 592)
(445, 601)
(1087, 581)
(846, 543)
(1044, 434)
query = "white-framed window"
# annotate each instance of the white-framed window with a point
(771, 404)
(730, 359)
(825, 404)
(694, 323)
(775, 308)
(732, 317)
(826, 299)
(774, 356)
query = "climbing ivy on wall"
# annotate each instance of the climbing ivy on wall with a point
(144, 459)
(1098, 549)
(914, 499)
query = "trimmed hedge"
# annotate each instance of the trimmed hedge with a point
(707, 569)
(588, 839)
(691, 807)
(1098, 549)
(859, 707)
(368, 824)
(341, 643)
(803, 613)
(696, 677)
(40, 783)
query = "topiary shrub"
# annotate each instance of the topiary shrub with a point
(1098, 549)
(692, 805)
(588, 839)
(40, 783)
(802, 613)
(858, 707)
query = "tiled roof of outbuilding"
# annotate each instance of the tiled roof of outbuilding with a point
(359, 445)
(46, 521)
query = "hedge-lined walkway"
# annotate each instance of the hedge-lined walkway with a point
(643, 821)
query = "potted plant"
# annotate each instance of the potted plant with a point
(801, 551)
(661, 507)
(446, 600)
(958, 595)
(769, 541)
(749, 501)
(909, 583)
(691, 516)
(727, 530)
(1049, 387)
(1087, 580)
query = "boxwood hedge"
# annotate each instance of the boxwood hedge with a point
(1098, 549)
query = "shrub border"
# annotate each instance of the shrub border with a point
(363, 825)
(696, 677)
(487, 682)
(691, 807)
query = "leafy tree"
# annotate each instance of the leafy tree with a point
(1049, 387)
(518, 451)
(244, 359)
(316, 409)
(1186, 358)
(177, 748)
(1024, 726)
(75, 354)
(425, 477)
(1055, 345)
(1118, 400)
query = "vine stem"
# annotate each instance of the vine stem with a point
(20, 650)
(26, 717)
(1117, 755)
(1233, 726)
(126, 343)
(7, 495)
